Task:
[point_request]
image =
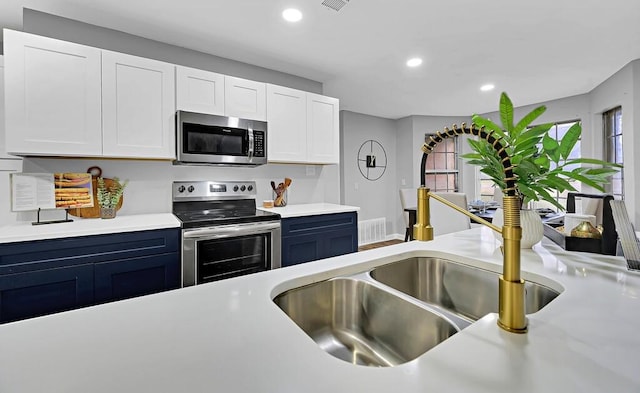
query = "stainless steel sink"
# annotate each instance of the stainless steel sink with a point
(464, 290)
(358, 322)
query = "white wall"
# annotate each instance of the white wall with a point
(375, 198)
(149, 189)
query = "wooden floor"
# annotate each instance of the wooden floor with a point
(379, 244)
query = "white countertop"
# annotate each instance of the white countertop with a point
(310, 209)
(24, 231)
(229, 336)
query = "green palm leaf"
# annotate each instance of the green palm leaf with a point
(506, 112)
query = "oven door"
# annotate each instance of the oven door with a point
(219, 252)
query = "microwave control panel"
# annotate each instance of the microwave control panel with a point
(258, 143)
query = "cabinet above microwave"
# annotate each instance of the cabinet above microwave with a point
(216, 94)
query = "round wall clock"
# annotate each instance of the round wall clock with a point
(372, 160)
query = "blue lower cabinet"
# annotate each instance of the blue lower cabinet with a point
(47, 276)
(300, 249)
(35, 293)
(310, 238)
(124, 279)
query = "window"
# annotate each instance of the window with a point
(442, 166)
(612, 125)
(557, 132)
(487, 190)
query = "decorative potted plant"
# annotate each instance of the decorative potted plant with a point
(542, 165)
(109, 196)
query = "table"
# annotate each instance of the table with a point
(486, 215)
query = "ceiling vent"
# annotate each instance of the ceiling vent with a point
(335, 5)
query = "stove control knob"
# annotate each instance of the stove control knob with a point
(250, 188)
(243, 188)
(190, 189)
(235, 188)
(181, 189)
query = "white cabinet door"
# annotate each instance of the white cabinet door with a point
(286, 124)
(52, 96)
(245, 99)
(138, 107)
(323, 129)
(199, 91)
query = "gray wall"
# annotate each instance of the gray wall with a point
(411, 132)
(622, 89)
(53, 26)
(377, 198)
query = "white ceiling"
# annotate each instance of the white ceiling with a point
(535, 50)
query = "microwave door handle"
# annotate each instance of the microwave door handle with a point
(250, 142)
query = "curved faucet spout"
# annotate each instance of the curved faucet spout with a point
(511, 314)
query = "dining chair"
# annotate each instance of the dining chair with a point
(446, 220)
(408, 198)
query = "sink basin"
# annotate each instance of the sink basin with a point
(466, 291)
(360, 323)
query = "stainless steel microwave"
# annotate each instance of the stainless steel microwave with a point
(219, 140)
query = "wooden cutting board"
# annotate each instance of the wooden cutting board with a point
(94, 212)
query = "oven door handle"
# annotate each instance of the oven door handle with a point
(230, 230)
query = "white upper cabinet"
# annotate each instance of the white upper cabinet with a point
(323, 129)
(138, 107)
(245, 98)
(65, 99)
(286, 124)
(199, 91)
(53, 96)
(302, 127)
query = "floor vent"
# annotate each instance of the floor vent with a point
(371, 231)
(335, 5)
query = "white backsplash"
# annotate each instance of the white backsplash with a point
(149, 189)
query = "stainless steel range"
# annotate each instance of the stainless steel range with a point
(223, 234)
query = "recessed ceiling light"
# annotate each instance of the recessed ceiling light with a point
(487, 87)
(414, 62)
(292, 15)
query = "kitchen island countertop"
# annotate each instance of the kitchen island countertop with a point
(310, 209)
(24, 231)
(229, 336)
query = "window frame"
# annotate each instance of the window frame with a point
(445, 171)
(609, 118)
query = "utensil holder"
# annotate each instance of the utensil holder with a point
(280, 199)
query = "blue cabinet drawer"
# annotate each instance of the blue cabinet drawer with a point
(53, 253)
(306, 239)
(316, 224)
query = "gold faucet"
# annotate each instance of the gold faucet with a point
(511, 312)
